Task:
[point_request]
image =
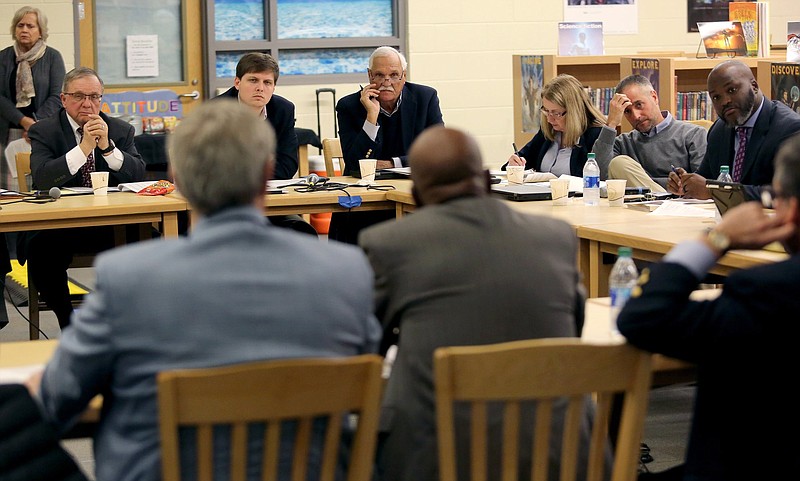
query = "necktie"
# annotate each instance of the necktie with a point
(88, 167)
(738, 161)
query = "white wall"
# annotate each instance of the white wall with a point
(463, 48)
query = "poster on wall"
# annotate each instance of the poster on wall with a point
(617, 16)
(705, 11)
(580, 38)
(532, 74)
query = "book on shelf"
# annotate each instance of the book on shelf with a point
(793, 42)
(785, 83)
(647, 68)
(532, 76)
(580, 38)
(723, 38)
(754, 17)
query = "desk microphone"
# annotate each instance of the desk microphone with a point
(54, 193)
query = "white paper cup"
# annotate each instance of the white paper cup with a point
(616, 192)
(516, 174)
(559, 189)
(100, 183)
(367, 170)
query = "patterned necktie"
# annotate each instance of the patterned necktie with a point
(738, 161)
(87, 168)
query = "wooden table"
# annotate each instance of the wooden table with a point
(117, 208)
(294, 202)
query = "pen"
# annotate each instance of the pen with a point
(516, 150)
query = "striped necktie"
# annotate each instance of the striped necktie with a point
(87, 168)
(738, 161)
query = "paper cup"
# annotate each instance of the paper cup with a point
(616, 192)
(559, 189)
(100, 183)
(516, 174)
(367, 170)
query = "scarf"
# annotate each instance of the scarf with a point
(25, 61)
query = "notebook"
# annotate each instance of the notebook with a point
(522, 192)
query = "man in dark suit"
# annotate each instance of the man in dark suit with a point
(254, 86)
(745, 137)
(380, 122)
(461, 271)
(65, 148)
(739, 341)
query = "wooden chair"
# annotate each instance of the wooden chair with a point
(23, 160)
(332, 149)
(702, 122)
(271, 392)
(542, 370)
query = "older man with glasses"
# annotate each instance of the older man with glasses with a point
(380, 122)
(65, 149)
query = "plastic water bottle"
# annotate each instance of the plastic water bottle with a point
(620, 283)
(724, 174)
(591, 182)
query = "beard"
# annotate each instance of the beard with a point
(745, 108)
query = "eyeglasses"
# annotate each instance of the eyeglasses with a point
(381, 78)
(768, 196)
(554, 115)
(80, 96)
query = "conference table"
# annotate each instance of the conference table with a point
(116, 208)
(296, 200)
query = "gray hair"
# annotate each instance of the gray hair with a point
(219, 154)
(387, 51)
(79, 72)
(634, 79)
(40, 17)
(787, 167)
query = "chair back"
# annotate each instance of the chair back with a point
(23, 160)
(702, 123)
(332, 149)
(271, 392)
(542, 370)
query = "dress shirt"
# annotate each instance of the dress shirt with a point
(372, 130)
(76, 158)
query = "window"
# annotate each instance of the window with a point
(314, 41)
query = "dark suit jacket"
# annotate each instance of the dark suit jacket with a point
(741, 342)
(280, 114)
(539, 145)
(53, 137)
(424, 284)
(419, 110)
(776, 122)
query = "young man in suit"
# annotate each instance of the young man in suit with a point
(235, 289)
(461, 270)
(745, 137)
(65, 148)
(380, 122)
(739, 340)
(254, 87)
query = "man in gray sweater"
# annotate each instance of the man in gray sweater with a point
(645, 156)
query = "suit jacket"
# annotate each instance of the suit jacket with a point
(234, 290)
(280, 114)
(740, 342)
(776, 122)
(445, 276)
(419, 110)
(539, 145)
(53, 137)
(48, 75)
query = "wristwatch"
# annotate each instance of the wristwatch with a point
(108, 149)
(718, 240)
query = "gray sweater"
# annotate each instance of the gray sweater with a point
(680, 144)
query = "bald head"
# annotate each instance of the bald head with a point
(734, 92)
(445, 164)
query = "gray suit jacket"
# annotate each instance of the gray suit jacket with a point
(470, 271)
(235, 290)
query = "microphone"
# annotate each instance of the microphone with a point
(314, 179)
(54, 193)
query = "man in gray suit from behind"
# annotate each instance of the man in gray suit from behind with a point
(464, 269)
(236, 289)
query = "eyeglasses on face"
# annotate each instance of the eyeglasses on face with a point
(381, 78)
(554, 115)
(80, 96)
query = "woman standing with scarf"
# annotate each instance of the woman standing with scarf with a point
(31, 74)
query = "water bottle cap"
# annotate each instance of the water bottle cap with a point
(724, 168)
(625, 252)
